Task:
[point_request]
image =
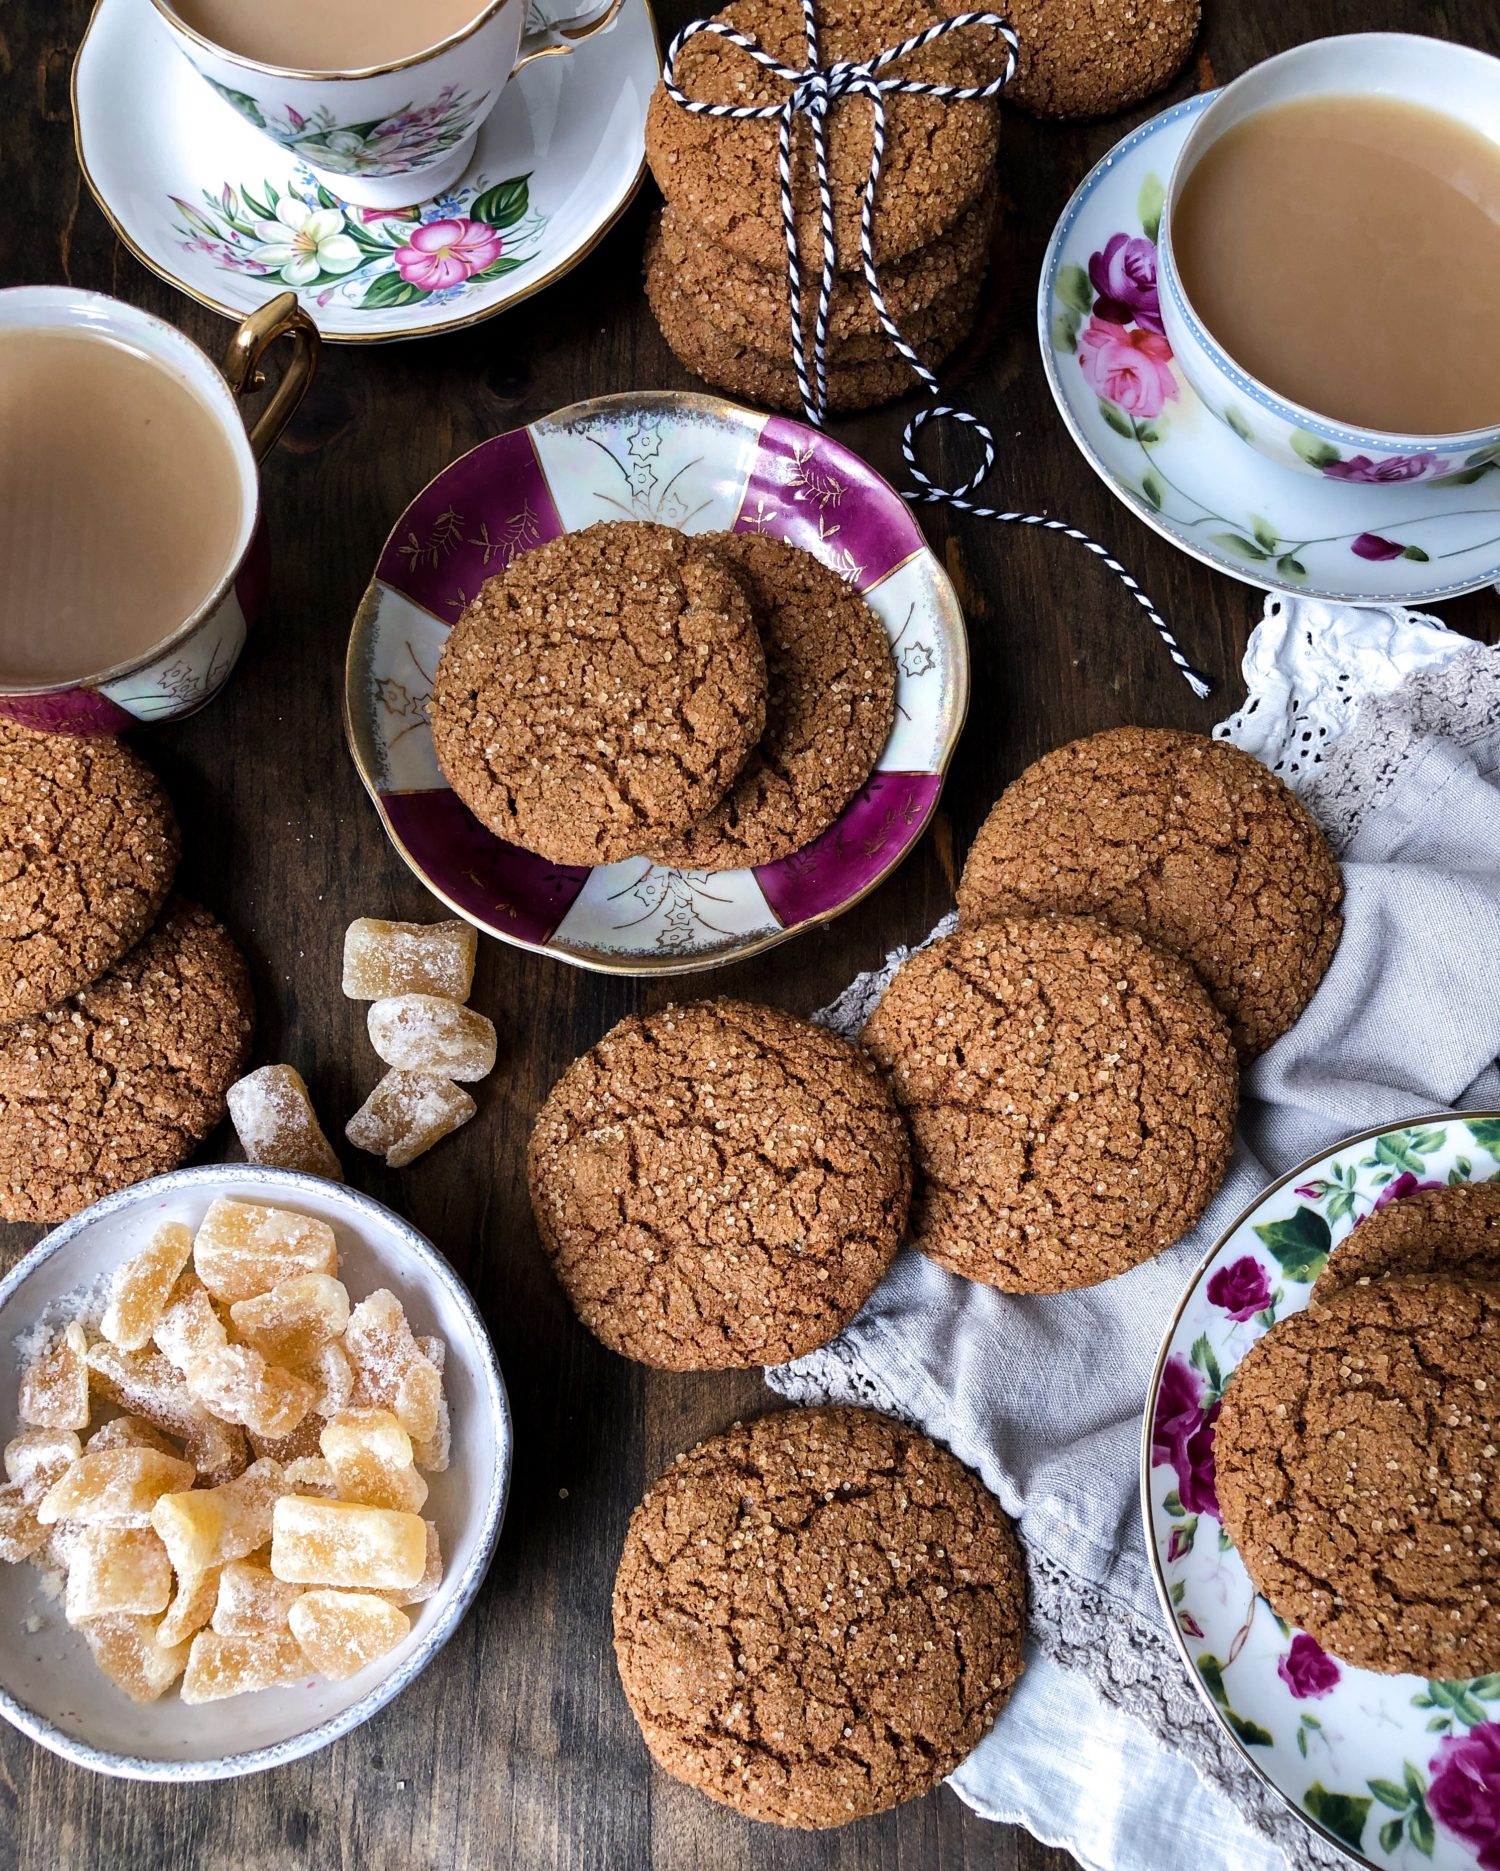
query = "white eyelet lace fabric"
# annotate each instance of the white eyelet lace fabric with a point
(1388, 725)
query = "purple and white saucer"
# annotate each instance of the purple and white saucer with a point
(701, 464)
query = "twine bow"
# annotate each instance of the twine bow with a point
(814, 89)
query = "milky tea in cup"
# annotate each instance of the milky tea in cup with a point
(329, 35)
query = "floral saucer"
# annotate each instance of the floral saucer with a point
(1359, 536)
(1397, 1770)
(210, 203)
(700, 464)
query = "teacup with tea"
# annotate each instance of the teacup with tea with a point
(1329, 261)
(129, 506)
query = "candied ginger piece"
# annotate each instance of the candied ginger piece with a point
(384, 958)
(219, 1666)
(114, 1488)
(237, 1385)
(38, 1457)
(332, 1376)
(245, 1248)
(311, 1474)
(432, 1573)
(189, 1327)
(190, 1610)
(210, 1526)
(342, 1632)
(116, 1569)
(406, 1114)
(425, 1033)
(129, 1432)
(55, 1385)
(125, 1648)
(143, 1285)
(303, 1441)
(252, 1601)
(145, 1383)
(276, 1124)
(294, 1321)
(22, 1535)
(370, 1455)
(344, 1544)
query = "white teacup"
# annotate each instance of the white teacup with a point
(388, 135)
(1454, 79)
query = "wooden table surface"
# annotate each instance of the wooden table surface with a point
(516, 1747)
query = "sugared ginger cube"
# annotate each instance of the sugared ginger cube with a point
(425, 1033)
(55, 1385)
(143, 1285)
(210, 1526)
(191, 1608)
(236, 1384)
(312, 1474)
(406, 1114)
(128, 1432)
(125, 1648)
(383, 958)
(189, 1327)
(370, 1455)
(145, 1383)
(37, 1458)
(391, 1371)
(113, 1569)
(245, 1248)
(295, 1320)
(432, 1573)
(339, 1543)
(22, 1535)
(276, 1124)
(341, 1632)
(115, 1488)
(220, 1666)
(252, 1601)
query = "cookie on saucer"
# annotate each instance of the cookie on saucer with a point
(601, 694)
(1188, 840)
(1091, 58)
(1071, 1092)
(817, 1615)
(830, 699)
(719, 1185)
(1453, 1231)
(124, 1080)
(1355, 1470)
(88, 849)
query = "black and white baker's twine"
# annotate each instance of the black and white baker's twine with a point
(814, 89)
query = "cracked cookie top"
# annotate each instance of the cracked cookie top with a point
(1188, 840)
(1071, 1092)
(1451, 1231)
(88, 848)
(601, 693)
(719, 1185)
(830, 698)
(1356, 1474)
(817, 1615)
(121, 1082)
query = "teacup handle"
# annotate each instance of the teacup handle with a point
(281, 317)
(564, 35)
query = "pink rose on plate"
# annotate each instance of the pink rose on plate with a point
(1400, 1187)
(1370, 473)
(1464, 1795)
(1307, 1669)
(446, 253)
(1124, 276)
(1242, 1288)
(1182, 1434)
(1131, 369)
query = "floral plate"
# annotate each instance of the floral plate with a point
(700, 464)
(1398, 1771)
(1358, 536)
(212, 205)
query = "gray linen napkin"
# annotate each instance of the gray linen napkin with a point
(1390, 729)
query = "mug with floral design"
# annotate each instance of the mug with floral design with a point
(189, 665)
(1453, 79)
(389, 135)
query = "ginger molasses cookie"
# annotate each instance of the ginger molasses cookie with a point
(1188, 840)
(719, 1185)
(1355, 1469)
(748, 303)
(721, 175)
(830, 699)
(88, 848)
(1071, 1092)
(601, 694)
(1090, 58)
(122, 1081)
(817, 1615)
(1454, 1232)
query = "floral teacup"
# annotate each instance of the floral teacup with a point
(394, 134)
(1456, 80)
(193, 660)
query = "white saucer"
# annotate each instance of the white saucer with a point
(1182, 471)
(205, 200)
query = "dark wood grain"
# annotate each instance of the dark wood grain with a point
(516, 1748)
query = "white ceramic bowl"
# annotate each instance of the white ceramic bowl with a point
(50, 1687)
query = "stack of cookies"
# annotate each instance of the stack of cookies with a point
(709, 702)
(716, 272)
(127, 1010)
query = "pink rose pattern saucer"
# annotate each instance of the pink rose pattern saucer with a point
(700, 464)
(1397, 1770)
